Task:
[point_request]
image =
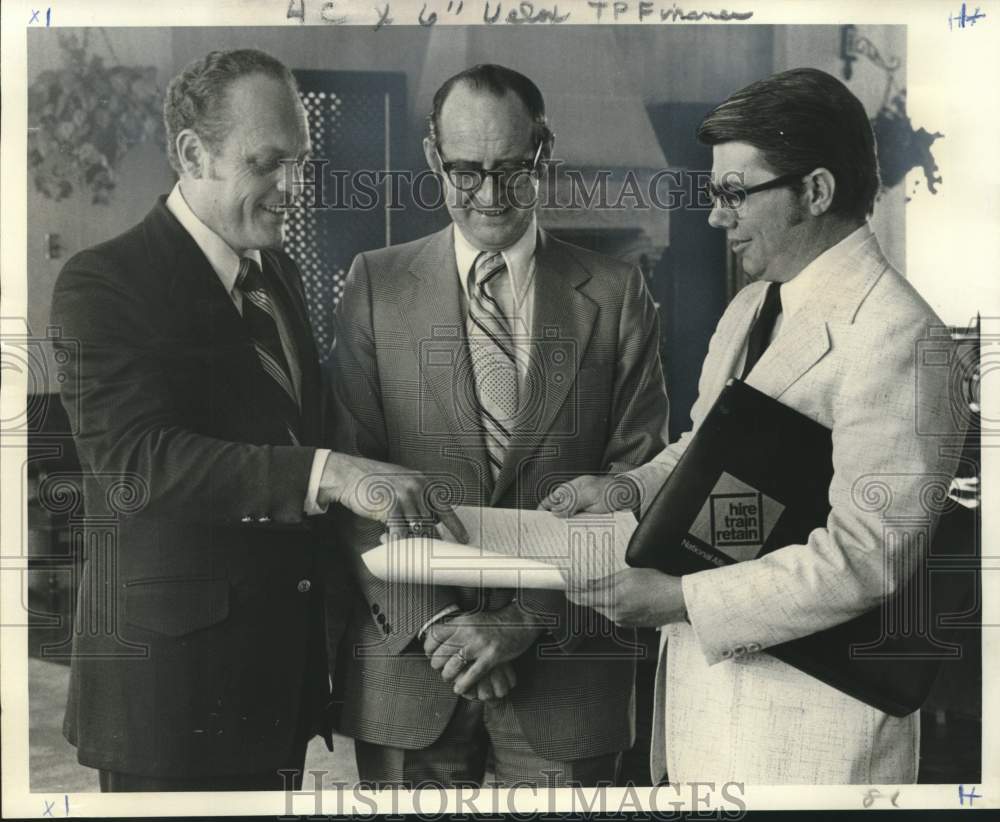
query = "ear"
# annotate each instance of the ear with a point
(820, 187)
(192, 153)
(549, 147)
(430, 154)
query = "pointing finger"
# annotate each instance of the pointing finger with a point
(451, 521)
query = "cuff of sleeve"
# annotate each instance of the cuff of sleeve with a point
(449, 609)
(311, 506)
(701, 594)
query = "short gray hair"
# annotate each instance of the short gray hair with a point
(196, 98)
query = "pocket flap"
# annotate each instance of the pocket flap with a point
(176, 606)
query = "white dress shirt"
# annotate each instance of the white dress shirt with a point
(226, 264)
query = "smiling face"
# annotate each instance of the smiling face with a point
(243, 184)
(770, 231)
(478, 127)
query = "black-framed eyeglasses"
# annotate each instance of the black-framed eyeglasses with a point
(733, 196)
(468, 176)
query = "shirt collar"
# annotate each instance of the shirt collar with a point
(796, 291)
(224, 261)
(517, 256)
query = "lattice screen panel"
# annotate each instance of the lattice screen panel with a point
(347, 127)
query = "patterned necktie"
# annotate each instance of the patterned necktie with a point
(258, 314)
(491, 345)
(762, 328)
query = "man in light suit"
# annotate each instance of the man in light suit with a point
(499, 361)
(199, 652)
(838, 329)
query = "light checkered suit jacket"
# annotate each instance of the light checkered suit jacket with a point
(849, 358)
(405, 388)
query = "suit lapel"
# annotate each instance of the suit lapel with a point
(733, 333)
(834, 298)
(798, 347)
(193, 282)
(217, 327)
(432, 313)
(561, 328)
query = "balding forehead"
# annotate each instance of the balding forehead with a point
(268, 113)
(246, 90)
(467, 102)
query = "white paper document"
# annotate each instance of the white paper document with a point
(510, 548)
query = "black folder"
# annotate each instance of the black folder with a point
(755, 478)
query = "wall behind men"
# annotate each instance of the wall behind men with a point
(682, 65)
(819, 47)
(143, 173)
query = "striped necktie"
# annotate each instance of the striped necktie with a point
(259, 316)
(491, 346)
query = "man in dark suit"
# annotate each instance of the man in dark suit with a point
(499, 361)
(198, 392)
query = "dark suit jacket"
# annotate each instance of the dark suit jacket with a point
(200, 619)
(406, 395)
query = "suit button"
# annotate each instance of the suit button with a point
(387, 628)
(264, 518)
(375, 608)
(380, 619)
(753, 647)
(247, 518)
(726, 653)
(304, 586)
(739, 650)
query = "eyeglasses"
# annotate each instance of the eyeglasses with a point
(468, 176)
(733, 196)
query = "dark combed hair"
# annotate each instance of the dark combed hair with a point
(498, 81)
(801, 120)
(196, 98)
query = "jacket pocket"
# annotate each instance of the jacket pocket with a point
(176, 606)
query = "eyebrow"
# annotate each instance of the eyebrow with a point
(276, 153)
(496, 162)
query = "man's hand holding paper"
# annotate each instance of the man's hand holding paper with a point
(634, 597)
(593, 494)
(401, 498)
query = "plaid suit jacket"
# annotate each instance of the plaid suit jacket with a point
(406, 395)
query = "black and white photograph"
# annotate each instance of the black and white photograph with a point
(495, 407)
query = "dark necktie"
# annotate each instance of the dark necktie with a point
(763, 327)
(259, 316)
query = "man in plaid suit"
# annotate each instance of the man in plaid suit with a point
(498, 361)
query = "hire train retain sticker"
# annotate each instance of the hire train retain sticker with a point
(736, 518)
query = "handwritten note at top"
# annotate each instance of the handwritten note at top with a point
(506, 12)
(965, 19)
